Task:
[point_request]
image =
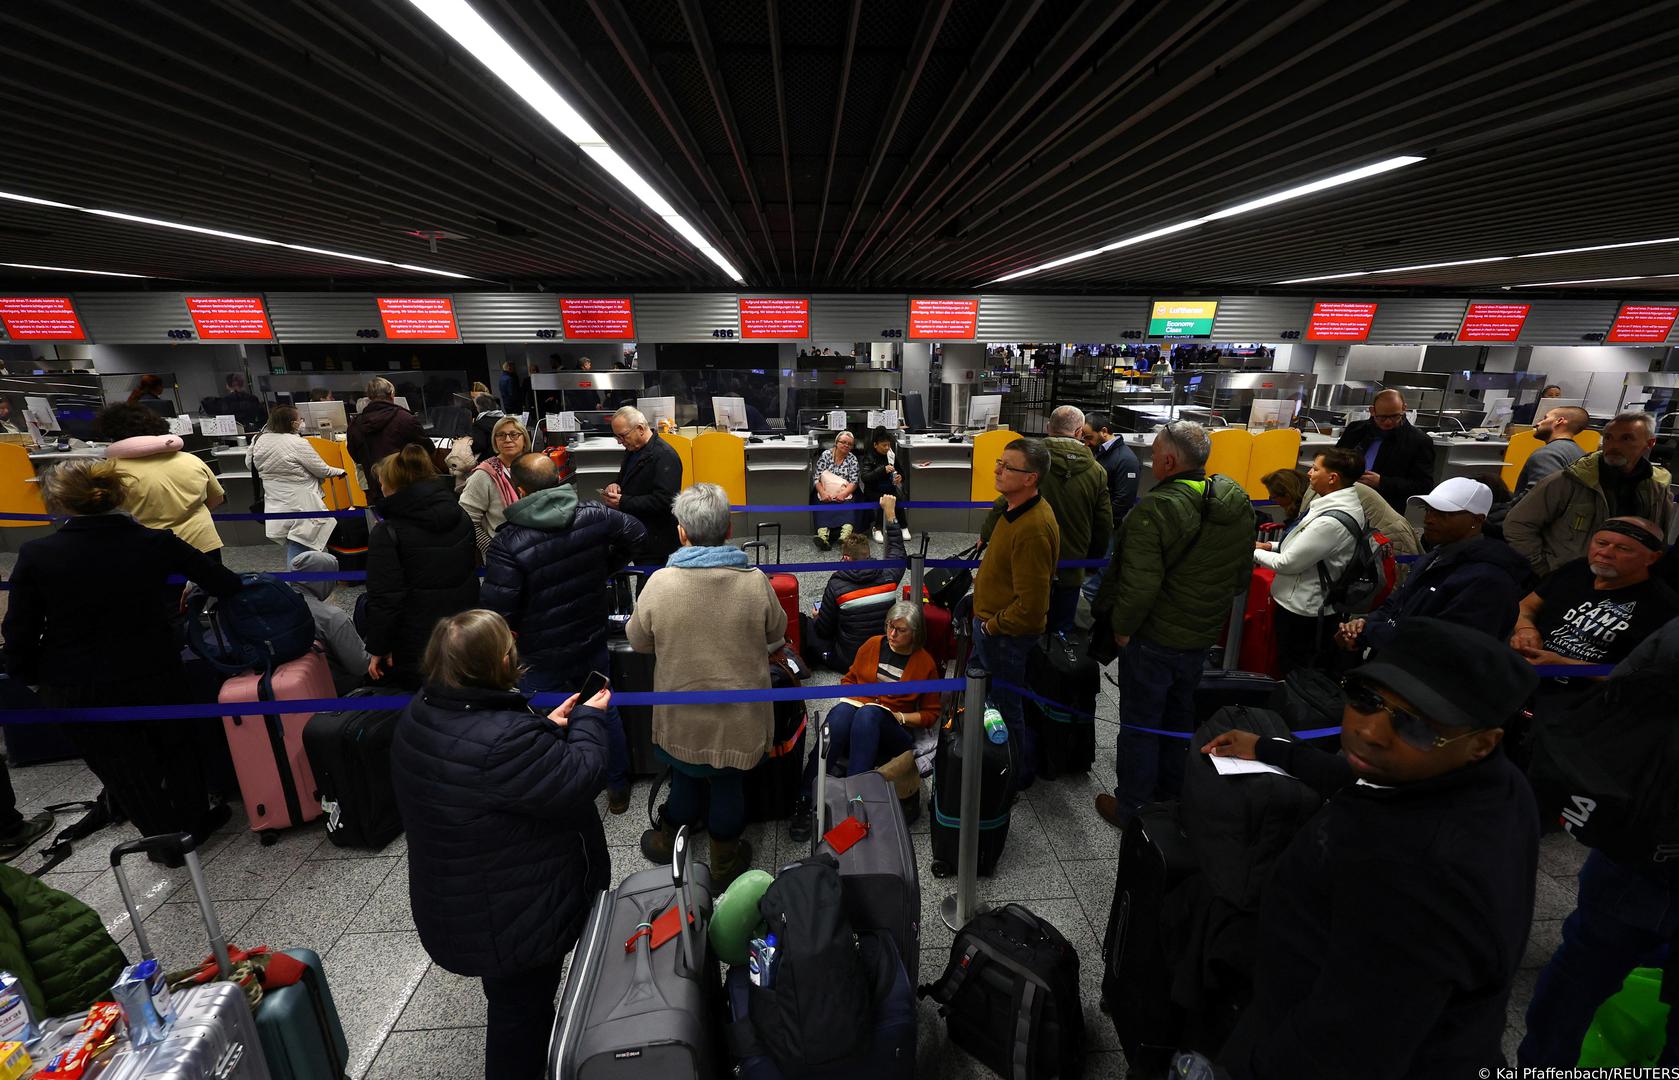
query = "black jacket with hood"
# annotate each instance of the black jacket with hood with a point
(855, 602)
(1478, 583)
(379, 430)
(422, 565)
(546, 573)
(506, 851)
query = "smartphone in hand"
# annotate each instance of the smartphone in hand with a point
(594, 684)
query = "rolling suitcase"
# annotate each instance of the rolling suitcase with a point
(999, 770)
(630, 1010)
(1223, 686)
(276, 783)
(772, 787)
(1154, 856)
(630, 672)
(786, 586)
(878, 875)
(350, 757)
(1060, 668)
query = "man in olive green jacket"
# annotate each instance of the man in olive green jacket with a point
(1076, 488)
(1183, 554)
(55, 945)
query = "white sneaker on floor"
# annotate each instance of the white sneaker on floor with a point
(907, 537)
(878, 538)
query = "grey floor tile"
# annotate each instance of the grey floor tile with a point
(177, 935)
(1521, 993)
(1542, 942)
(1553, 899)
(247, 870)
(1093, 884)
(1561, 856)
(314, 906)
(372, 978)
(449, 1054)
(152, 887)
(1068, 814)
(444, 1000)
(70, 881)
(327, 850)
(387, 908)
(1105, 1064)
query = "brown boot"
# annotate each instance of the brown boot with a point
(729, 858)
(905, 777)
(658, 846)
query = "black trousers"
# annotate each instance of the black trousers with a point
(521, 1019)
(1302, 641)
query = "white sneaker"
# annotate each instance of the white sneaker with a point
(878, 537)
(906, 536)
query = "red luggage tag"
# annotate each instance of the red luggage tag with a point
(846, 834)
(660, 930)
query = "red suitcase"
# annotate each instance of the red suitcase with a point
(941, 635)
(786, 586)
(1258, 651)
(275, 781)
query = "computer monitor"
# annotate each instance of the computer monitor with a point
(596, 420)
(985, 411)
(915, 413)
(730, 413)
(322, 417)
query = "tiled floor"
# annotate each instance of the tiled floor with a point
(406, 1017)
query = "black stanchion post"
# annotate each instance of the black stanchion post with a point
(917, 573)
(961, 906)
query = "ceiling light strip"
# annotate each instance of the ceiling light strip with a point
(72, 270)
(1592, 281)
(1494, 258)
(1299, 191)
(461, 21)
(243, 238)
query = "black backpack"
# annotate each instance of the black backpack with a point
(265, 624)
(819, 1010)
(1010, 996)
(1607, 768)
(1369, 576)
(946, 585)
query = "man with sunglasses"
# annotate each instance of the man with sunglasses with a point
(1398, 459)
(1394, 924)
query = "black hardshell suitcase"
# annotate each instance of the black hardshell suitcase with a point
(628, 1010)
(1000, 770)
(772, 787)
(878, 874)
(630, 672)
(1154, 856)
(350, 755)
(1059, 667)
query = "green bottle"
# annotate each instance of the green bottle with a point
(734, 918)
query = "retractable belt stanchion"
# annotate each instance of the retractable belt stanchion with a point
(917, 571)
(961, 906)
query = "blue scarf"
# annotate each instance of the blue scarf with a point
(699, 558)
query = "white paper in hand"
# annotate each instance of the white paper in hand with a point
(1229, 766)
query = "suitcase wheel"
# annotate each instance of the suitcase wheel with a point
(268, 838)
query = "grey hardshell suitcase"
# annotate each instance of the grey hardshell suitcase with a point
(214, 1033)
(629, 1010)
(882, 887)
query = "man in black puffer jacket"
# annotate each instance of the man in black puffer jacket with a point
(854, 602)
(546, 573)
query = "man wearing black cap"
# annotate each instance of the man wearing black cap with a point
(1395, 922)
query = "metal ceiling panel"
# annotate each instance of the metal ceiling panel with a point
(673, 317)
(503, 316)
(1260, 318)
(134, 318)
(1006, 317)
(1415, 321)
(324, 318)
(858, 317)
(1567, 322)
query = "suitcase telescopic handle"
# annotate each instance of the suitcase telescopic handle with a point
(758, 534)
(819, 806)
(682, 876)
(183, 845)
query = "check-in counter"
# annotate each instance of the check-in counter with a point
(939, 470)
(594, 464)
(778, 474)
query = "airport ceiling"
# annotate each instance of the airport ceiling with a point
(830, 145)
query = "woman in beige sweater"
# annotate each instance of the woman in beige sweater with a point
(712, 620)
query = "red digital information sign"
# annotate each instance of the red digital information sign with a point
(229, 318)
(1336, 320)
(418, 318)
(41, 318)
(1646, 323)
(597, 317)
(777, 317)
(943, 320)
(1493, 322)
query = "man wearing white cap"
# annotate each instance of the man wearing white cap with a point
(1466, 577)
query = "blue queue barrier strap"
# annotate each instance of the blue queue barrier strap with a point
(117, 713)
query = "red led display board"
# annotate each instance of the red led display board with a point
(1340, 320)
(943, 320)
(1493, 322)
(597, 317)
(229, 318)
(418, 318)
(1644, 323)
(774, 317)
(41, 318)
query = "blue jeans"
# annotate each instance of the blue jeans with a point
(1623, 915)
(1156, 690)
(723, 791)
(544, 681)
(846, 513)
(293, 550)
(1003, 656)
(865, 736)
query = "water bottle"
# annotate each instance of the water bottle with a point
(760, 962)
(995, 729)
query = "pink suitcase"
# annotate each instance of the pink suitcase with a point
(275, 781)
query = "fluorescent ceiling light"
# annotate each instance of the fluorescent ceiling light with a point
(1497, 258)
(71, 270)
(1593, 281)
(459, 20)
(1600, 247)
(1396, 269)
(242, 238)
(1286, 194)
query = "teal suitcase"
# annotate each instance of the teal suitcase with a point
(302, 1037)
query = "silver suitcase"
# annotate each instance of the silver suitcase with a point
(214, 1035)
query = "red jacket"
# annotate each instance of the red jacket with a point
(922, 709)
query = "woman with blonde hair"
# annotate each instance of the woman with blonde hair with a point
(89, 623)
(506, 851)
(420, 564)
(489, 489)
